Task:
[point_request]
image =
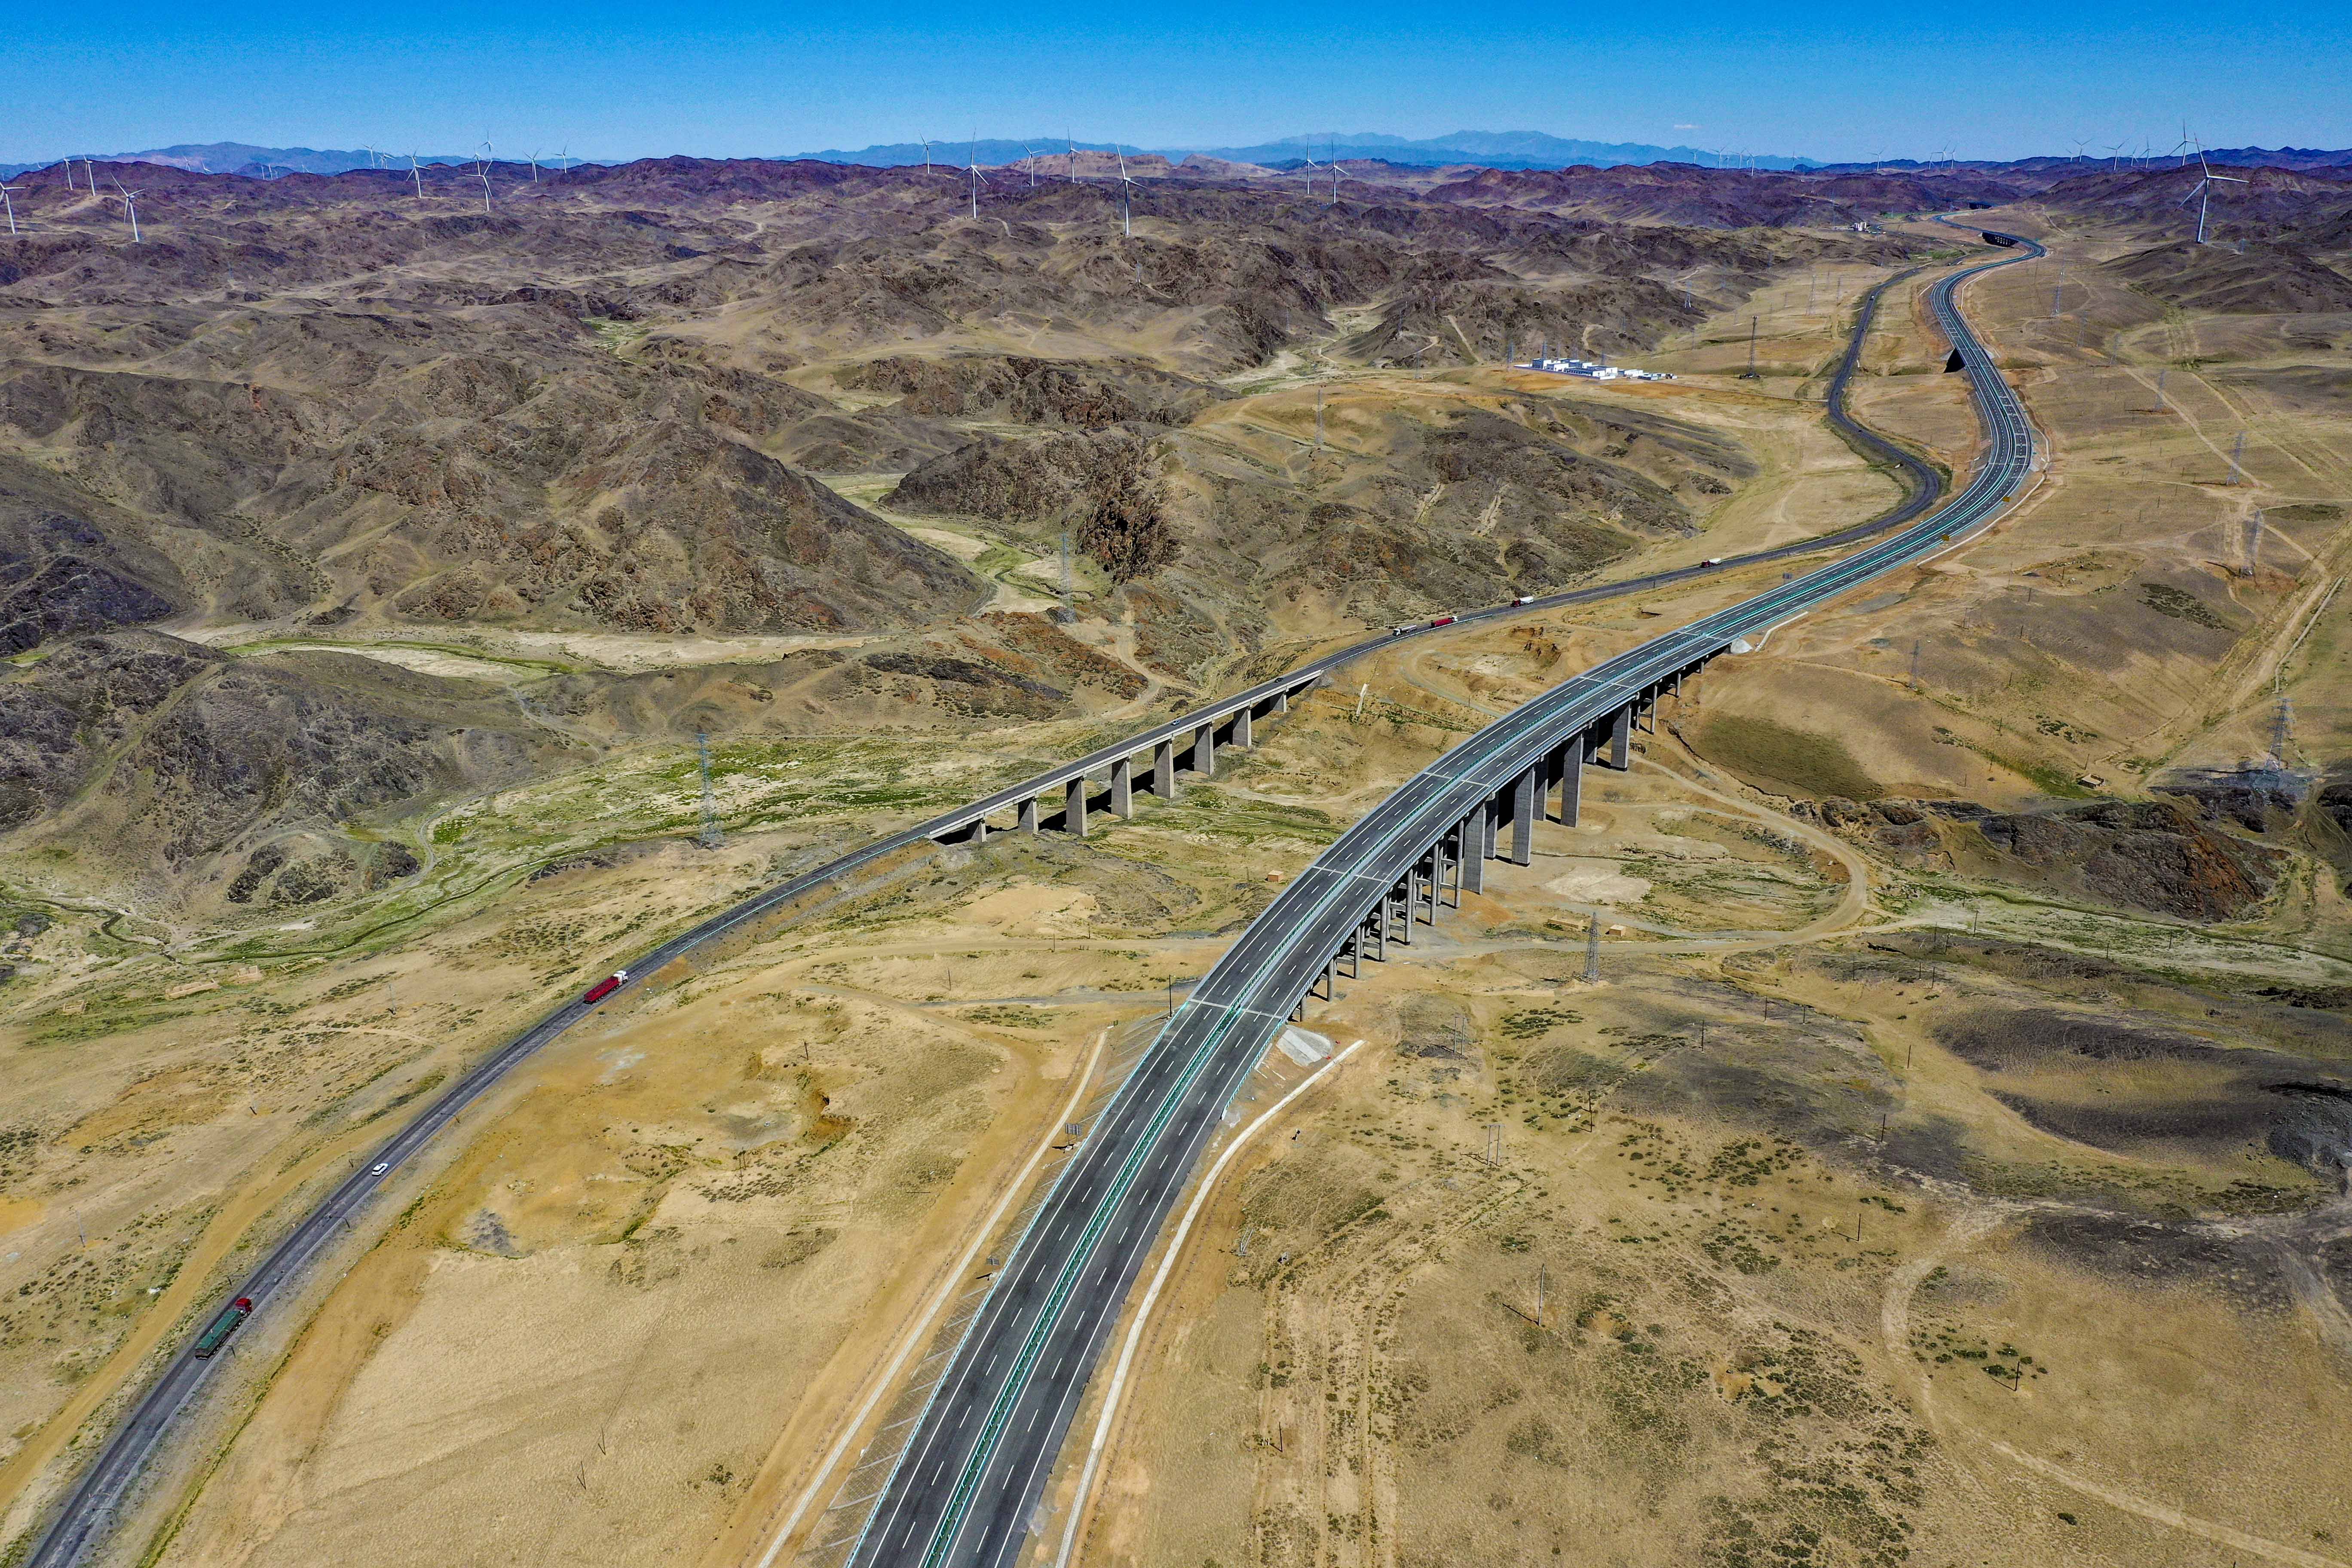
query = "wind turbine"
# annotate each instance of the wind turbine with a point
(927, 154)
(1310, 171)
(1033, 163)
(1126, 201)
(417, 174)
(973, 165)
(2203, 192)
(9, 204)
(482, 173)
(130, 209)
(534, 165)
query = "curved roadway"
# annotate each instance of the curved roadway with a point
(91, 1503)
(967, 1489)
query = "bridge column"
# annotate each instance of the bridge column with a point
(1403, 893)
(1241, 726)
(1074, 807)
(1572, 784)
(1437, 868)
(1490, 817)
(1352, 951)
(1205, 751)
(1163, 770)
(979, 834)
(1472, 835)
(1029, 814)
(1523, 817)
(1620, 738)
(1381, 930)
(1282, 701)
(1122, 787)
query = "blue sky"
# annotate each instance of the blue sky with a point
(1835, 81)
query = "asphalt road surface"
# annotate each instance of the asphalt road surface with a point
(90, 1504)
(967, 1488)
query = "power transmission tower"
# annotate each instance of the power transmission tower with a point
(1915, 664)
(1069, 612)
(1495, 1145)
(2237, 460)
(2253, 541)
(2281, 731)
(710, 834)
(1749, 373)
(2160, 403)
(1592, 950)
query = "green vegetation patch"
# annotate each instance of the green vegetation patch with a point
(1804, 761)
(2180, 605)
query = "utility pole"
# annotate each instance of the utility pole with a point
(709, 836)
(2160, 374)
(1915, 664)
(1593, 947)
(1493, 1145)
(1539, 1294)
(2253, 541)
(1749, 373)
(2237, 460)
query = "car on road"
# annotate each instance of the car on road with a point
(379, 1168)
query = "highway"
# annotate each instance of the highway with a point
(966, 1487)
(90, 1505)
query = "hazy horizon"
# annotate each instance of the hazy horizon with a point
(1835, 84)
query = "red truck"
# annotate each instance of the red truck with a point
(604, 987)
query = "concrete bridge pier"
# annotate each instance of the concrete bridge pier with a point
(1620, 740)
(1572, 782)
(1470, 832)
(1241, 726)
(1523, 815)
(1074, 807)
(1402, 894)
(1122, 787)
(1163, 770)
(1205, 751)
(1029, 814)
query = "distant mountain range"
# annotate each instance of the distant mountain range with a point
(1490, 149)
(1487, 149)
(260, 162)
